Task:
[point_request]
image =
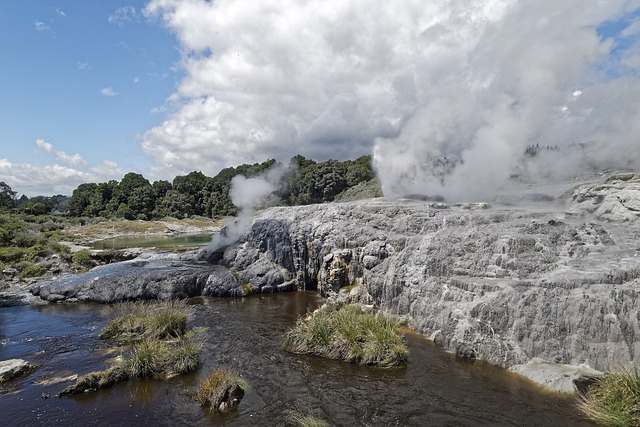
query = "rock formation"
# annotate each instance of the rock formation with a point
(14, 368)
(550, 278)
(556, 280)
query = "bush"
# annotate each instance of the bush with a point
(346, 332)
(614, 399)
(32, 270)
(82, 258)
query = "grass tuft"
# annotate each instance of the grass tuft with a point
(348, 333)
(614, 399)
(153, 358)
(138, 320)
(222, 389)
(301, 418)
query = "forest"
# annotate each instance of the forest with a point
(302, 182)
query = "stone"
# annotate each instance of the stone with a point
(14, 368)
(557, 376)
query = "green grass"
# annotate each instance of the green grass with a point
(348, 333)
(222, 389)
(138, 320)
(161, 344)
(614, 400)
(154, 358)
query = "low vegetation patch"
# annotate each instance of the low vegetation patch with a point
(614, 399)
(300, 418)
(138, 320)
(154, 358)
(346, 332)
(161, 344)
(222, 389)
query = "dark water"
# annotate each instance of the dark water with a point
(435, 389)
(161, 242)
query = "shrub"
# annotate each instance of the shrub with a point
(346, 332)
(33, 270)
(222, 389)
(82, 258)
(614, 399)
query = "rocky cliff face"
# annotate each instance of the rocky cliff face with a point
(557, 280)
(546, 278)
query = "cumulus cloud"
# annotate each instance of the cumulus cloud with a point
(472, 81)
(108, 92)
(75, 160)
(47, 180)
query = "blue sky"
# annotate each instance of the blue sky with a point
(88, 77)
(92, 90)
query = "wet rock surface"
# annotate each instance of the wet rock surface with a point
(503, 283)
(557, 280)
(13, 368)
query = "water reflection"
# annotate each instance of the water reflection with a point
(434, 389)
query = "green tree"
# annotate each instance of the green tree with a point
(7, 196)
(81, 199)
(194, 185)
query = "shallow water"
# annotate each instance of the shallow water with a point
(435, 388)
(160, 242)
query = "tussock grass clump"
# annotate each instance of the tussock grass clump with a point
(222, 389)
(153, 358)
(614, 399)
(301, 419)
(348, 333)
(138, 320)
(161, 345)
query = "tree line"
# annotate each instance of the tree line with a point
(304, 181)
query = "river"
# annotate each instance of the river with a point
(435, 389)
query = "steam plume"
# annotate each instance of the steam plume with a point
(525, 78)
(247, 194)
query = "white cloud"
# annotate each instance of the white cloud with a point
(123, 15)
(108, 91)
(60, 13)
(41, 26)
(75, 160)
(47, 180)
(84, 66)
(478, 80)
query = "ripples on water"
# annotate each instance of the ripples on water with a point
(434, 389)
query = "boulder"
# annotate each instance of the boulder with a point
(14, 368)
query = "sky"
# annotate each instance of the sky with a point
(92, 90)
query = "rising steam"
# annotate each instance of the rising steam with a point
(247, 194)
(528, 76)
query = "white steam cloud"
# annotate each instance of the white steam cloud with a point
(532, 74)
(413, 82)
(247, 194)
